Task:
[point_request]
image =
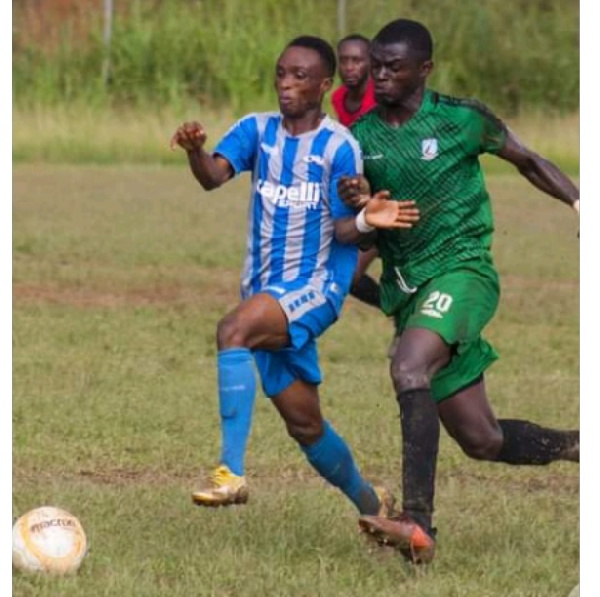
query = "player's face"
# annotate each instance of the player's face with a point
(353, 61)
(300, 81)
(397, 73)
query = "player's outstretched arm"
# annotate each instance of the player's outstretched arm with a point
(540, 172)
(382, 212)
(379, 212)
(209, 170)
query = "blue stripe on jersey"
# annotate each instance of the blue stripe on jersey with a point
(269, 138)
(312, 231)
(342, 258)
(280, 219)
(344, 164)
(239, 145)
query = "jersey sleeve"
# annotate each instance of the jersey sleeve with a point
(239, 145)
(347, 161)
(489, 131)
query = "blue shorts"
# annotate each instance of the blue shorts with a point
(309, 314)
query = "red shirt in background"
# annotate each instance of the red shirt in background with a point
(338, 99)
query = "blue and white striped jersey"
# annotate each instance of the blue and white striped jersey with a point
(294, 202)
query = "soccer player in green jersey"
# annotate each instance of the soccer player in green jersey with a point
(439, 282)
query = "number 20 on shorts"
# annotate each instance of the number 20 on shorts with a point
(436, 304)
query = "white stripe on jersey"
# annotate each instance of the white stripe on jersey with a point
(296, 224)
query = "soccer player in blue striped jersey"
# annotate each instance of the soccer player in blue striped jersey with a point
(297, 272)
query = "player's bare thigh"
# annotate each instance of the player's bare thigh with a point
(256, 323)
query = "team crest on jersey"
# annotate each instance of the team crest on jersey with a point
(429, 149)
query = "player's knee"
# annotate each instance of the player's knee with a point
(482, 444)
(305, 431)
(230, 332)
(408, 376)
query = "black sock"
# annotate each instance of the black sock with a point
(528, 443)
(367, 291)
(420, 442)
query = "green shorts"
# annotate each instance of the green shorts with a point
(456, 305)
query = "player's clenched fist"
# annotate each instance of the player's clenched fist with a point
(354, 190)
(190, 136)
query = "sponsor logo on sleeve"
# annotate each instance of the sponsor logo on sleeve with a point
(270, 150)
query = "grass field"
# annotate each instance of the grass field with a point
(52, 135)
(119, 277)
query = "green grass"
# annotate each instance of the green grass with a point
(52, 135)
(120, 274)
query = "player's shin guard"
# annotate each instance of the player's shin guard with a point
(332, 459)
(237, 390)
(420, 442)
(528, 443)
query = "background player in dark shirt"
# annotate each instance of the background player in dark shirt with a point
(353, 98)
(355, 95)
(439, 281)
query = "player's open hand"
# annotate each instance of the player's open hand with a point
(382, 212)
(190, 135)
(354, 190)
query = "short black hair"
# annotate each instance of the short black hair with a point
(354, 37)
(414, 34)
(321, 46)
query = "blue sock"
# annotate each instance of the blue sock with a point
(332, 459)
(237, 390)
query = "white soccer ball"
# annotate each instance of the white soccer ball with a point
(48, 540)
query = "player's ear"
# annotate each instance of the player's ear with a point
(326, 85)
(426, 68)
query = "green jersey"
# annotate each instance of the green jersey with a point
(433, 158)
